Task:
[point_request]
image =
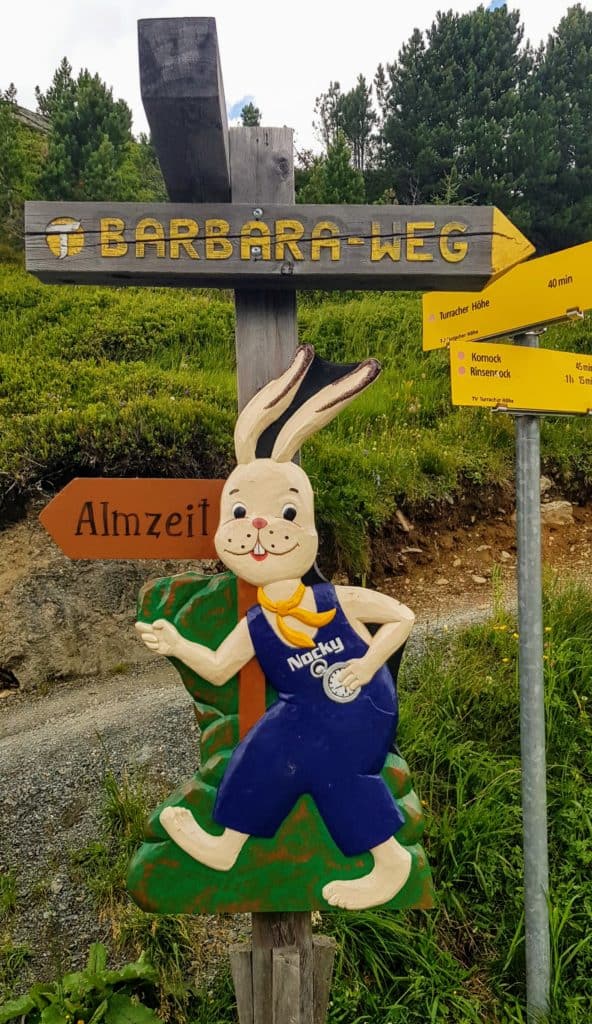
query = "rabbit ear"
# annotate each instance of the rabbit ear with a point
(268, 405)
(322, 408)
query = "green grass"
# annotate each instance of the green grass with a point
(462, 963)
(8, 893)
(170, 943)
(141, 381)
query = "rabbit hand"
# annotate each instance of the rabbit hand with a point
(356, 673)
(161, 637)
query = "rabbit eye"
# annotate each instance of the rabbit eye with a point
(289, 512)
(239, 511)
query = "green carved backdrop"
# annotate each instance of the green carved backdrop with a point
(287, 872)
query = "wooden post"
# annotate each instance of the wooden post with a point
(183, 96)
(262, 172)
(184, 100)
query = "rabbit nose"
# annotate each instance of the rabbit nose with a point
(259, 523)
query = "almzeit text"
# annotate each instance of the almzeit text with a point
(99, 519)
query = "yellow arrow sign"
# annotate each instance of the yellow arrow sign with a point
(543, 291)
(515, 378)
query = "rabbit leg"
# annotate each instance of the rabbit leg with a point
(392, 866)
(218, 852)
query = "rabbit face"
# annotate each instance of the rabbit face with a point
(267, 531)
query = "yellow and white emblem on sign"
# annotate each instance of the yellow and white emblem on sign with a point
(64, 237)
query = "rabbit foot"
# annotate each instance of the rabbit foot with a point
(392, 867)
(218, 852)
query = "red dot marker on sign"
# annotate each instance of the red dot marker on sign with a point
(462, 369)
(461, 355)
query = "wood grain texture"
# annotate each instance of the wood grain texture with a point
(262, 165)
(286, 981)
(241, 966)
(262, 172)
(273, 932)
(324, 949)
(183, 96)
(253, 244)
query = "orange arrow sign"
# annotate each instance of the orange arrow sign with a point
(135, 518)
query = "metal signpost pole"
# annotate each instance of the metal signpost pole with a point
(532, 710)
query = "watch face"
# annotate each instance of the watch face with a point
(332, 685)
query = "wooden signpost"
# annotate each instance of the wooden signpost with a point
(543, 291)
(271, 246)
(232, 222)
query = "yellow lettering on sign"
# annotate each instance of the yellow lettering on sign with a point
(287, 235)
(320, 240)
(414, 243)
(182, 232)
(111, 235)
(218, 246)
(255, 234)
(453, 251)
(150, 232)
(379, 247)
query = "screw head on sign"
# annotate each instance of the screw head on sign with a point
(256, 250)
(258, 212)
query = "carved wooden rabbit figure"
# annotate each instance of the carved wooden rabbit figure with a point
(334, 721)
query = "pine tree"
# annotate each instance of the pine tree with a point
(450, 103)
(332, 179)
(90, 133)
(563, 76)
(357, 119)
(12, 167)
(250, 116)
(328, 113)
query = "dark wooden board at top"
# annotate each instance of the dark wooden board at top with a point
(183, 96)
(244, 245)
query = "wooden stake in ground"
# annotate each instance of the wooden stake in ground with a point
(278, 987)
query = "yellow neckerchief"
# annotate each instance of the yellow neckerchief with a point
(290, 607)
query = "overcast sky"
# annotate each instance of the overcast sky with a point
(280, 54)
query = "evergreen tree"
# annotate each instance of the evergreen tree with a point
(12, 167)
(451, 104)
(332, 179)
(357, 120)
(563, 76)
(250, 116)
(352, 114)
(89, 139)
(60, 92)
(328, 113)
(140, 174)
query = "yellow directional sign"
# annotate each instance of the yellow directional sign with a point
(515, 378)
(543, 291)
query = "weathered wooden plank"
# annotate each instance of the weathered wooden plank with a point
(270, 245)
(323, 948)
(286, 986)
(277, 931)
(241, 965)
(262, 167)
(183, 96)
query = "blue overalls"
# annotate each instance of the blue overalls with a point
(316, 738)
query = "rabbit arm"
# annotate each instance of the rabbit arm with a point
(217, 666)
(363, 606)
